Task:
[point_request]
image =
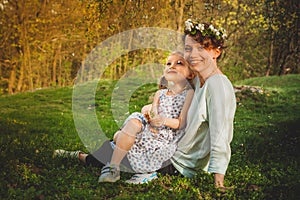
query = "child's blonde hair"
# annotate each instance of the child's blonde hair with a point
(163, 83)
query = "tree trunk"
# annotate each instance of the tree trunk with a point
(21, 77)
(179, 15)
(59, 78)
(45, 73)
(27, 55)
(12, 78)
(270, 59)
(54, 63)
(125, 65)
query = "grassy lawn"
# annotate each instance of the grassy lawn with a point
(265, 149)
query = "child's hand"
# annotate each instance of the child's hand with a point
(157, 121)
(146, 108)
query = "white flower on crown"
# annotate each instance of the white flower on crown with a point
(211, 27)
(224, 36)
(200, 27)
(211, 30)
(189, 25)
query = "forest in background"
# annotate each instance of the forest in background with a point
(43, 43)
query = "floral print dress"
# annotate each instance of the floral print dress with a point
(150, 150)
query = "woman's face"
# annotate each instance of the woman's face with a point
(199, 57)
(177, 69)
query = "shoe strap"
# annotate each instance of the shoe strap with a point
(108, 169)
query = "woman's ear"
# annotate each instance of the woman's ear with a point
(217, 52)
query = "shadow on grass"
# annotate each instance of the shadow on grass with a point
(273, 153)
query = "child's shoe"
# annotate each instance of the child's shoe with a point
(142, 178)
(109, 173)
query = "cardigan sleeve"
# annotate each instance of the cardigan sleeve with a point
(221, 107)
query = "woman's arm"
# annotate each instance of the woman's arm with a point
(221, 108)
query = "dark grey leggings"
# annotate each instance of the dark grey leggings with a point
(103, 155)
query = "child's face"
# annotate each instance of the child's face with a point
(177, 69)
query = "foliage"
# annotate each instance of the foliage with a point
(44, 43)
(265, 148)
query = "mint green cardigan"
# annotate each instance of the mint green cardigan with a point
(209, 129)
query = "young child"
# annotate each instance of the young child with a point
(149, 140)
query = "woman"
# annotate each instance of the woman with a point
(209, 131)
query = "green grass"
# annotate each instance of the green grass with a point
(265, 149)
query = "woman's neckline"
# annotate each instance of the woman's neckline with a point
(217, 74)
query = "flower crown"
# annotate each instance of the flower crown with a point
(209, 31)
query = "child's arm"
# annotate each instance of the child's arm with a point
(155, 103)
(179, 123)
(185, 109)
(146, 110)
